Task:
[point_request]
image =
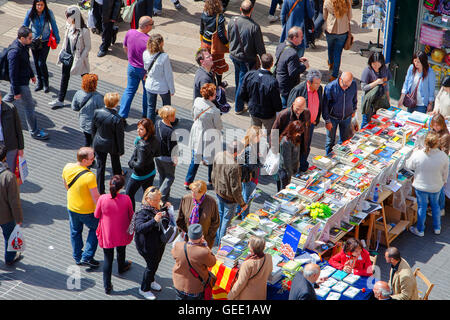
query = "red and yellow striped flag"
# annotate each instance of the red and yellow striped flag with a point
(225, 277)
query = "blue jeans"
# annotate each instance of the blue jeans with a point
(77, 221)
(226, 212)
(7, 229)
(284, 101)
(157, 4)
(422, 203)
(27, 102)
(247, 189)
(344, 133)
(193, 168)
(304, 164)
(273, 6)
(134, 77)
(240, 69)
(151, 109)
(318, 23)
(442, 199)
(422, 109)
(336, 44)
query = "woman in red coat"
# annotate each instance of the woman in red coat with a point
(114, 212)
(353, 259)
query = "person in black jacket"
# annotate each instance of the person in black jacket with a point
(287, 63)
(108, 133)
(10, 133)
(312, 91)
(213, 20)
(204, 73)
(246, 43)
(168, 160)
(20, 73)
(147, 147)
(110, 14)
(260, 90)
(303, 284)
(148, 238)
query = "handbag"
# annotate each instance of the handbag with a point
(271, 163)
(131, 226)
(66, 57)
(221, 101)
(410, 99)
(208, 284)
(349, 42)
(217, 46)
(127, 13)
(168, 227)
(52, 41)
(36, 44)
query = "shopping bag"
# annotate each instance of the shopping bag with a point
(16, 242)
(271, 164)
(127, 13)
(17, 172)
(23, 168)
(91, 19)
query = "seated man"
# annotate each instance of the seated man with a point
(381, 291)
(401, 278)
(353, 259)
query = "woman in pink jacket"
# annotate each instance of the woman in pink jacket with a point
(114, 212)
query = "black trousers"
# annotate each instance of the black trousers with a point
(65, 77)
(101, 166)
(108, 263)
(87, 139)
(97, 12)
(134, 185)
(40, 62)
(106, 35)
(152, 261)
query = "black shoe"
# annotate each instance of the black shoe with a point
(39, 87)
(108, 290)
(91, 263)
(224, 84)
(17, 258)
(46, 89)
(114, 35)
(126, 268)
(101, 53)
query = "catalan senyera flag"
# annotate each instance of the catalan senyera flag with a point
(225, 277)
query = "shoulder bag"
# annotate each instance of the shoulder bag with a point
(153, 62)
(275, 66)
(208, 284)
(127, 13)
(202, 113)
(293, 7)
(76, 178)
(410, 99)
(217, 46)
(66, 56)
(349, 42)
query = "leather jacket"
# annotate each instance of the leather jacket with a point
(142, 159)
(108, 131)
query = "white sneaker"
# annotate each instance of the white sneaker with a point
(155, 286)
(272, 18)
(442, 212)
(147, 295)
(416, 232)
(56, 103)
(437, 231)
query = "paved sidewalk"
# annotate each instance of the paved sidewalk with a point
(45, 271)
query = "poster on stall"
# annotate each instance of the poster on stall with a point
(373, 14)
(291, 240)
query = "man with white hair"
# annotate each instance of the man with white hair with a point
(303, 284)
(312, 91)
(382, 291)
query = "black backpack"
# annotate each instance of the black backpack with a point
(4, 65)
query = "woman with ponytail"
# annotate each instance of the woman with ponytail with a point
(114, 211)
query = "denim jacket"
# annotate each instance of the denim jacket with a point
(339, 104)
(40, 26)
(426, 86)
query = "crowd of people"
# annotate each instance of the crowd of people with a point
(281, 106)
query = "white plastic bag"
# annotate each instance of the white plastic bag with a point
(271, 164)
(16, 242)
(91, 19)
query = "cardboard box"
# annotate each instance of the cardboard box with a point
(411, 213)
(393, 216)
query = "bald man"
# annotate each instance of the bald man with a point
(382, 291)
(297, 111)
(246, 43)
(339, 107)
(303, 284)
(134, 44)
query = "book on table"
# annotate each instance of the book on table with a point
(333, 296)
(340, 286)
(351, 278)
(339, 275)
(322, 291)
(329, 282)
(351, 292)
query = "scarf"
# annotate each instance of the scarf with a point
(195, 217)
(254, 256)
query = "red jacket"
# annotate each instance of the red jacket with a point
(362, 266)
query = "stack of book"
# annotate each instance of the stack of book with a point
(386, 113)
(335, 233)
(308, 195)
(237, 232)
(229, 240)
(231, 260)
(223, 252)
(323, 162)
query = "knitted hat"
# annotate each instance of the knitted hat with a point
(195, 231)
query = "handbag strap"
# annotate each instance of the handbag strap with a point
(76, 178)
(262, 265)
(414, 92)
(86, 101)
(153, 62)
(190, 266)
(238, 35)
(290, 11)
(202, 113)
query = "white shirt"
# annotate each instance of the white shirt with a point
(419, 96)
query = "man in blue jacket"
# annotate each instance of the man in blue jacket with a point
(20, 73)
(339, 107)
